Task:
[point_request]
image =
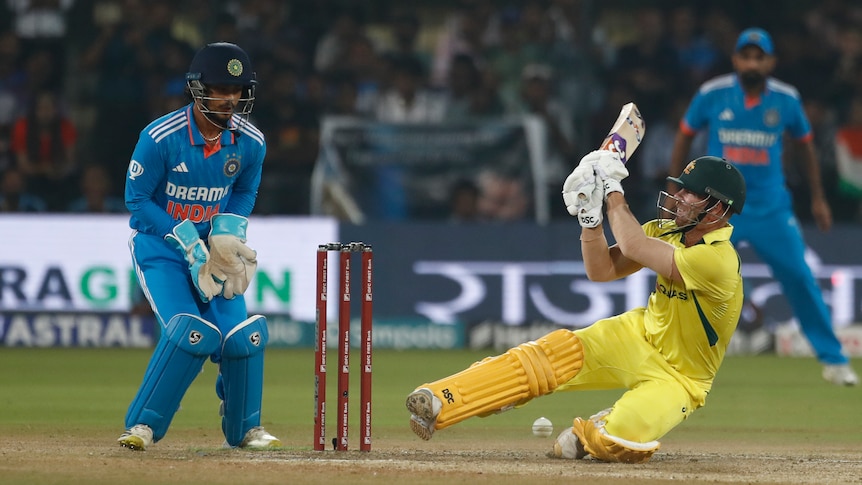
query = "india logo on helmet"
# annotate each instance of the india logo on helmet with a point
(234, 67)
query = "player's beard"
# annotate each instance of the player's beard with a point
(751, 79)
(223, 120)
(220, 119)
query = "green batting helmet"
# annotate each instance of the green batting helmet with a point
(715, 177)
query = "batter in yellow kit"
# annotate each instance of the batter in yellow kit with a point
(666, 354)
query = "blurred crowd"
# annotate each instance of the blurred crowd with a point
(80, 79)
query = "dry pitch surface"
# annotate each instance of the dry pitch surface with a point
(456, 459)
(770, 420)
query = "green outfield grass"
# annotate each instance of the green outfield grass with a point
(754, 399)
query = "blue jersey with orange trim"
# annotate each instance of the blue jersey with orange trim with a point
(174, 176)
(748, 132)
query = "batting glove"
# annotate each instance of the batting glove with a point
(208, 280)
(230, 254)
(582, 194)
(611, 170)
(590, 213)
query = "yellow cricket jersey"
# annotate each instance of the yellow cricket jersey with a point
(691, 323)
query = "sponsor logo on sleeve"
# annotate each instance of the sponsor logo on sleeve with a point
(135, 169)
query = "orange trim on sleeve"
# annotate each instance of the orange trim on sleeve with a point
(807, 138)
(687, 130)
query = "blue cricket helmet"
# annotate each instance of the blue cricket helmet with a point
(222, 63)
(225, 64)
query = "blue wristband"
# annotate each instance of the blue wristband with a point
(230, 224)
(183, 235)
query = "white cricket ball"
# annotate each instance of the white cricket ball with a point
(543, 427)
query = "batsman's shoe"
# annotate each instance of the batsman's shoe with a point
(567, 445)
(424, 407)
(840, 375)
(138, 437)
(258, 437)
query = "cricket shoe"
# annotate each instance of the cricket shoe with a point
(840, 375)
(567, 445)
(258, 437)
(138, 437)
(424, 407)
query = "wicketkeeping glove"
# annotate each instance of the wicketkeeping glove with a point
(229, 253)
(583, 195)
(206, 278)
(610, 170)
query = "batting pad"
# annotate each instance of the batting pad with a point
(186, 342)
(241, 369)
(606, 447)
(499, 383)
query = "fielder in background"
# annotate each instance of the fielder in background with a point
(190, 187)
(666, 354)
(747, 114)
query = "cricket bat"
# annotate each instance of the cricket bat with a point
(626, 134)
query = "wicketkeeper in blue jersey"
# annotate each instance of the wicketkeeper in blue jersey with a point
(747, 114)
(190, 187)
